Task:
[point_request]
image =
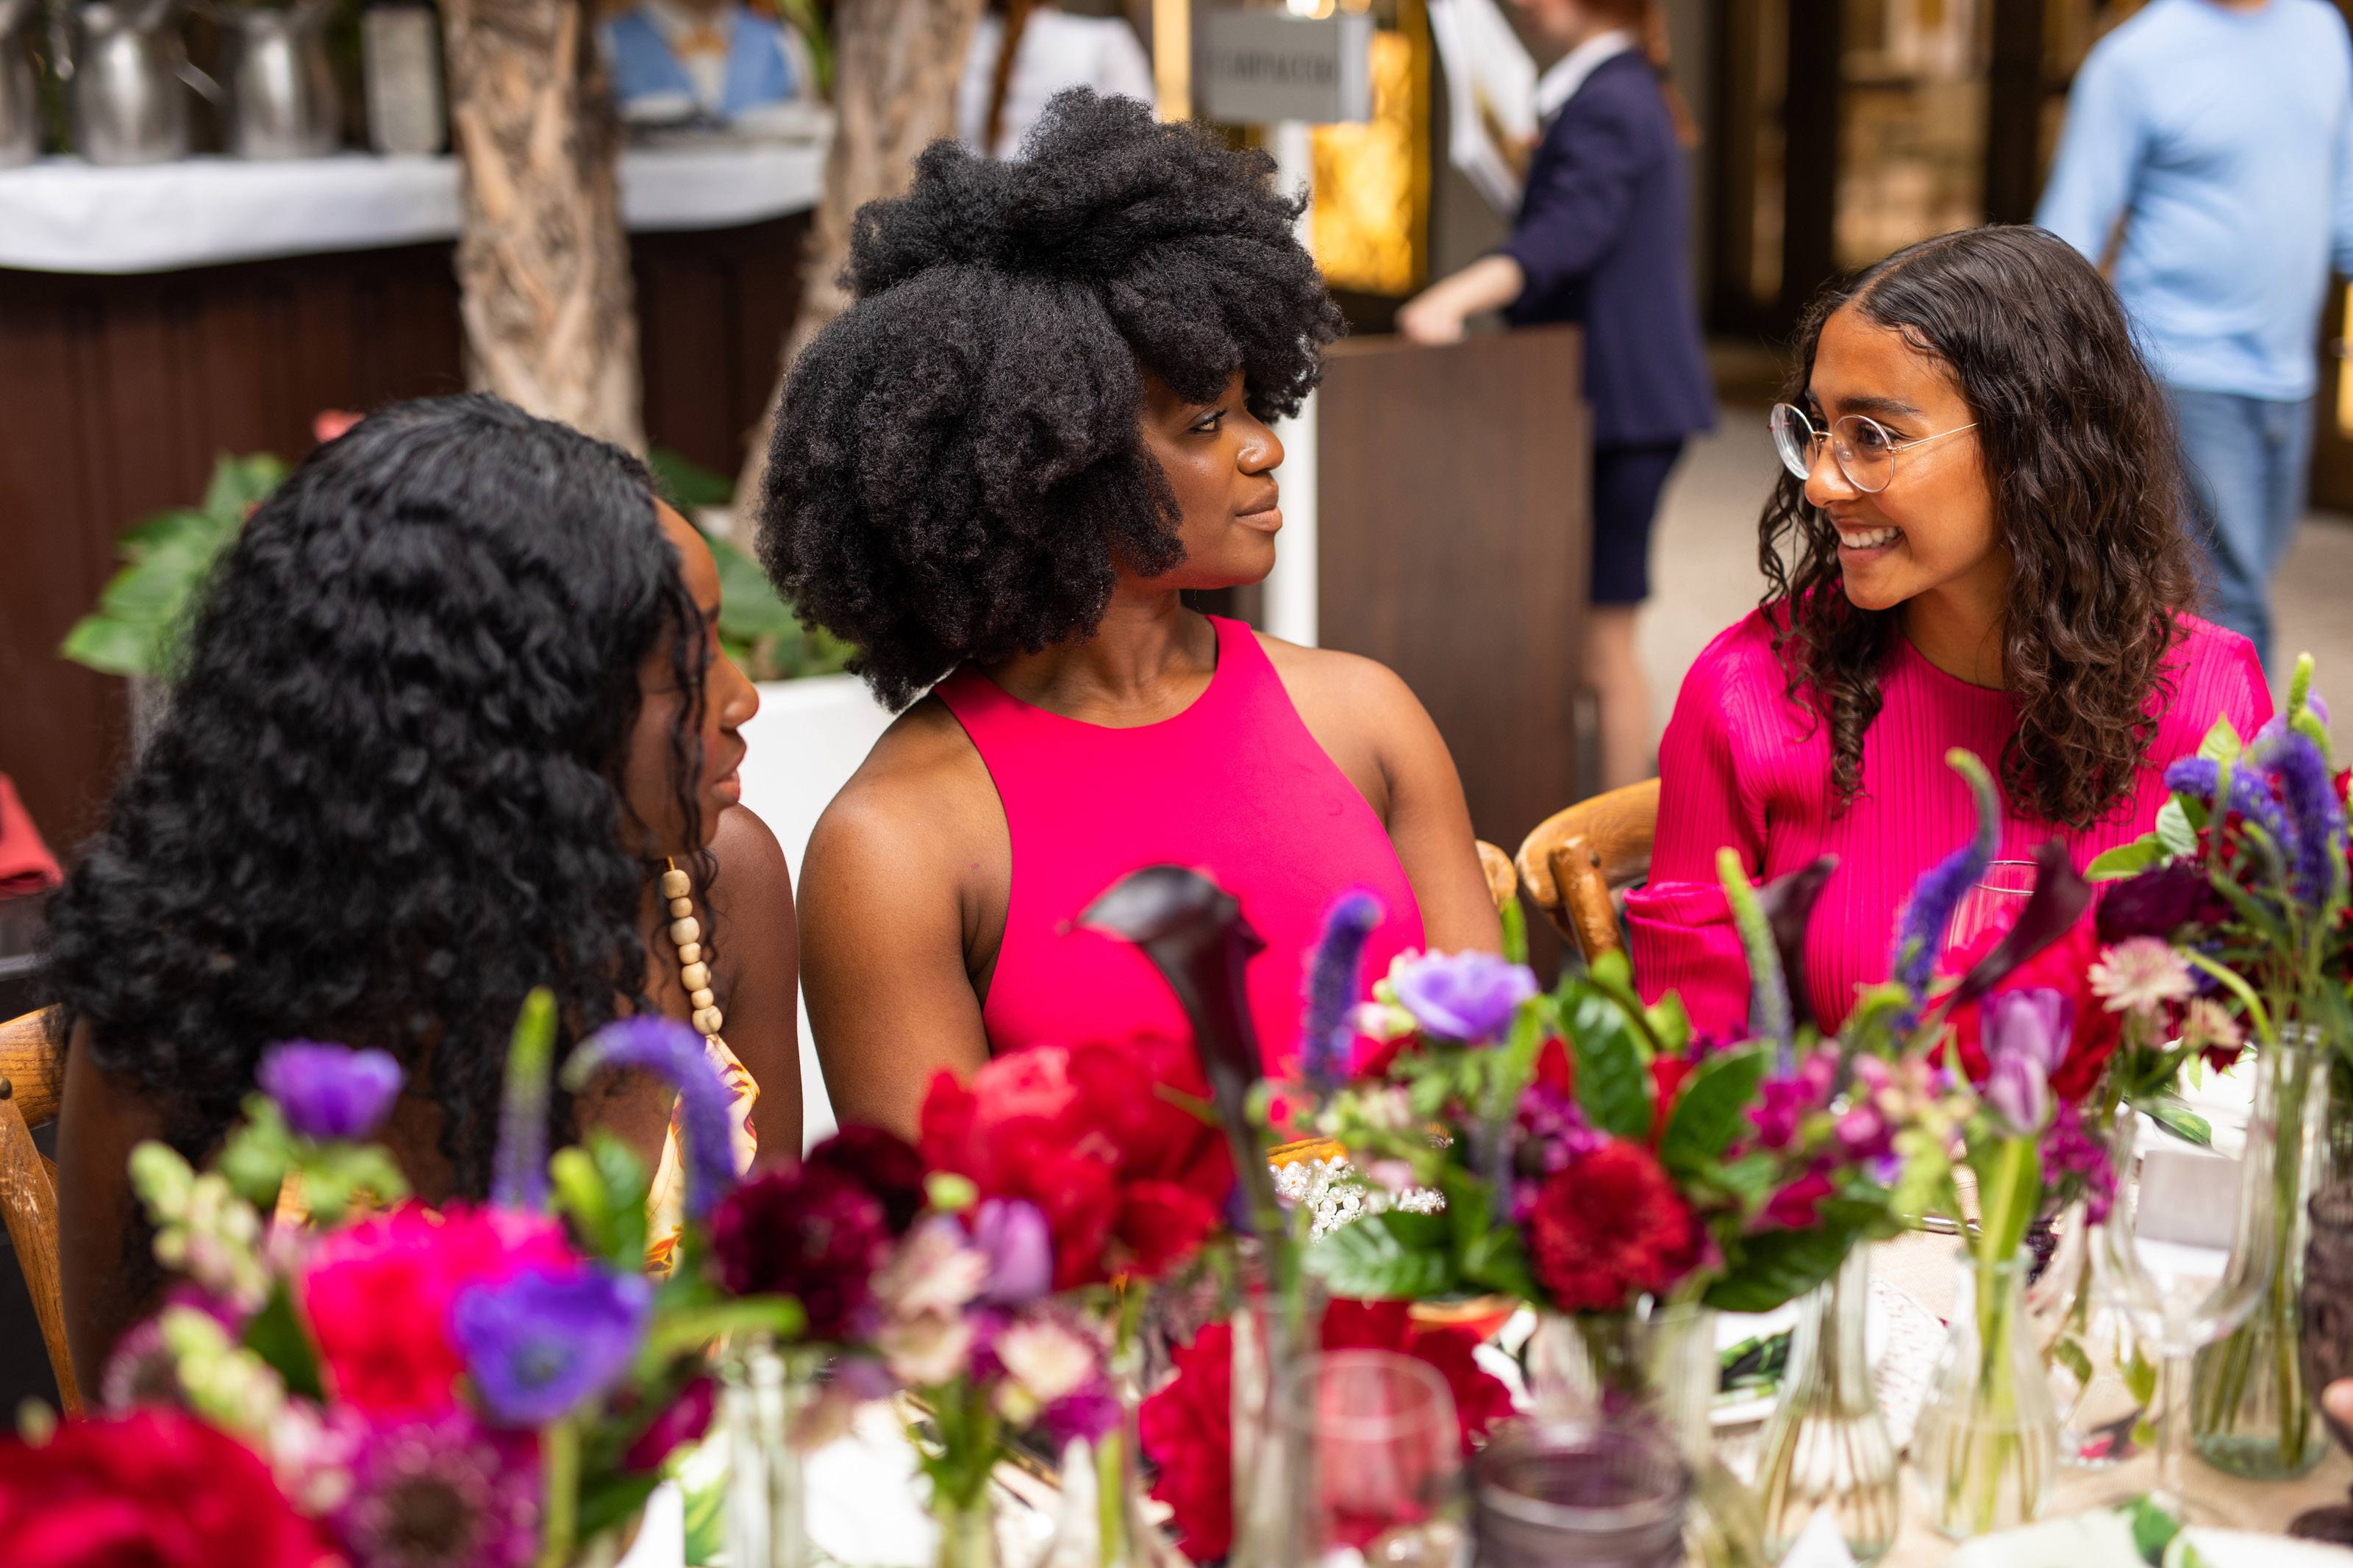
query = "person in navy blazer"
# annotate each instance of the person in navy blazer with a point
(1600, 240)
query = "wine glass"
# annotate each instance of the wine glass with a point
(1377, 1434)
(1993, 902)
(2185, 1269)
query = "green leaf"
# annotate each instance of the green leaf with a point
(275, 1334)
(676, 1333)
(2153, 1529)
(2178, 1119)
(2140, 1377)
(111, 646)
(1669, 1023)
(2126, 859)
(1516, 931)
(607, 1502)
(1711, 1109)
(2074, 1357)
(2174, 829)
(1749, 1178)
(161, 529)
(1368, 1260)
(2221, 744)
(1779, 1266)
(688, 483)
(1485, 1254)
(1614, 1084)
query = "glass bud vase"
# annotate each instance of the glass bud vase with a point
(1988, 1439)
(1273, 1333)
(1656, 1366)
(1826, 1446)
(967, 1530)
(761, 1391)
(1104, 1521)
(2252, 1413)
(2102, 1382)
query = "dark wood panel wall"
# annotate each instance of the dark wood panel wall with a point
(117, 393)
(1452, 543)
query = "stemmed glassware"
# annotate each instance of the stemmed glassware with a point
(1994, 902)
(1384, 1454)
(2185, 1277)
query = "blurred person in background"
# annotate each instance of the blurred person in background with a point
(1601, 240)
(2219, 133)
(1006, 87)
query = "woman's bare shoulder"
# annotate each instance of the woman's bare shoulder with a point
(921, 789)
(1329, 675)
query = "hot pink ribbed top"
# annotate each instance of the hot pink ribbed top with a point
(1743, 765)
(1234, 786)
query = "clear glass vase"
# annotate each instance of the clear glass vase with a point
(761, 1391)
(2102, 1380)
(967, 1530)
(1826, 1447)
(1659, 1366)
(1986, 1443)
(2252, 1414)
(1274, 1333)
(1104, 1521)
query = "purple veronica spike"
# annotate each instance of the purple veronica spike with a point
(670, 1050)
(1920, 934)
(1333, 972)
(542, 1344)
(2251, 797)
(331, 1093)
(2313, 810)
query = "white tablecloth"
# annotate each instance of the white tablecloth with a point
(61, 215)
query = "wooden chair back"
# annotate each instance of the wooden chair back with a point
(1502, 882)
(1578, 857)
(32, 1076)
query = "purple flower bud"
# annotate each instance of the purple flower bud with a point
(1331, 988)
(544, 1344)
(1466, 996)
(1013, 1235)
(2034, 1022)
(328, 1092)
(2019, 1091)
(671, 1050)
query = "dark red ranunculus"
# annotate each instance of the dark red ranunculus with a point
(154, 1489)
(1608, 1228)
(883, 1163)
(805, 1231)
(2065, 966)
(2158, 902)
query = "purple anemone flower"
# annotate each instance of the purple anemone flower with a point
(1333, 972)
(1013, 1235)
(671, 1050)
(1466, 996)
(330, 1093)
(543, 1344)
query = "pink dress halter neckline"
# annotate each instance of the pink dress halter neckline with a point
(1234, 786)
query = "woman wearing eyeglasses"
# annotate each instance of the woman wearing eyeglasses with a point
(1977, 543)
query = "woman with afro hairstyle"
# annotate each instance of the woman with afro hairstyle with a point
(1977, 543)
(448, 706)
(1044, 418)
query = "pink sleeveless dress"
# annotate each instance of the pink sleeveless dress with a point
(1235, 786)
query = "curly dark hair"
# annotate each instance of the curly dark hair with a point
(384, 800)
(2080, 453)
(958, 459)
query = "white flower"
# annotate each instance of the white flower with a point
(2209, 1026)
(927, 1351)
(1047, 1358)
(2141, 974)
(936, 1270)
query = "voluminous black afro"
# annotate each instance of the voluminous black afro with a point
(958, 460)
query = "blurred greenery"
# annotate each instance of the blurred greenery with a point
(167, 557)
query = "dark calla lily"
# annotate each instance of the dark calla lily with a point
(1194, 933)
(1788, 904)
(2060, 895)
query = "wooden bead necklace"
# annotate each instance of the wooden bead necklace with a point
(686, 933)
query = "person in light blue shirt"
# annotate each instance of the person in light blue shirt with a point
(2218, 136)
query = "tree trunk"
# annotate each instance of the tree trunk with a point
(896, 64)
(543, 263)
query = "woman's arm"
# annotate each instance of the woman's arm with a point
(891, 997)
(98, 1126)
(1436, 314)
(759, 949)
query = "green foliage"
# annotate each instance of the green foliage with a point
(601, 1189)
(687, 484)
(1711, 1109)
(2178, 1119)
(167, 557)
(276, 1334)
(1779, 1266)
(1613, 1078)
(1385, 1257)
(756, 630)
(1487, 1252)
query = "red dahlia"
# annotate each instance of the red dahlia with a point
(1609, 1227)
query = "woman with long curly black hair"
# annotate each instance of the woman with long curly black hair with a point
(451, 701)
(1979, 543)
(1045, 417)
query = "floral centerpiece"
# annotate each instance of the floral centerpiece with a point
(2245, 876)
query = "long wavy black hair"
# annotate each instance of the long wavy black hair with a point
(2079, 452)
(384, 800)
(959, 460)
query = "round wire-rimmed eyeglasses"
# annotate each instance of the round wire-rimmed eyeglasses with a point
(1859, 446)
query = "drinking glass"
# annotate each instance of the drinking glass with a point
(2186, 1273)
(1384, 1458)
(1993, 903)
